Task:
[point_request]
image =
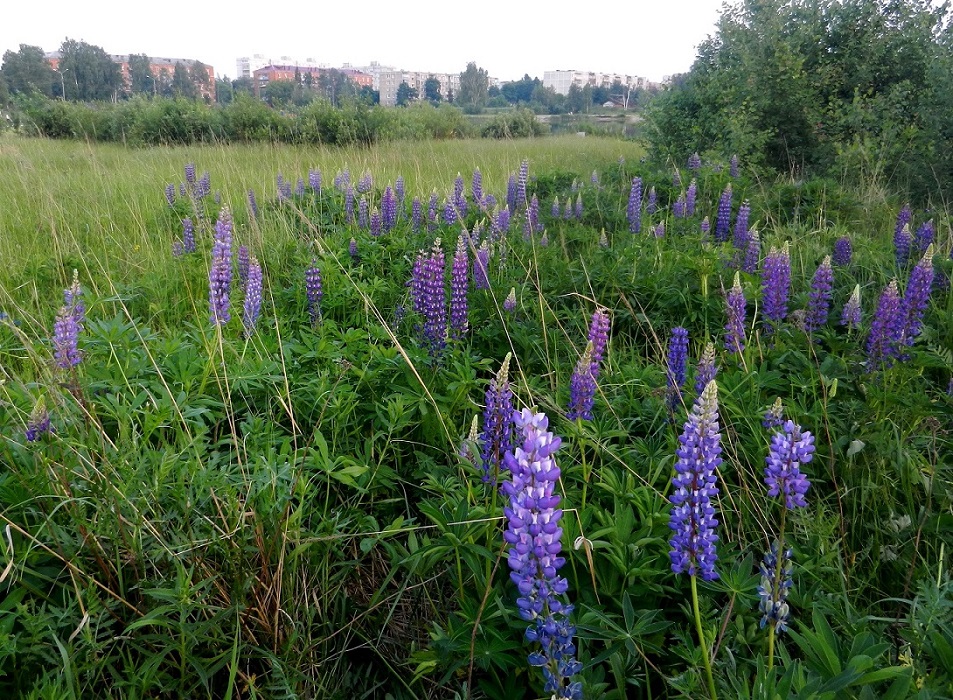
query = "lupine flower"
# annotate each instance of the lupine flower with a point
(773, 589)
(366, 182)
(775, 286)
(819, 300)
(190, 173)
(886, 329)
(599, 338)
(949, 388)
(678, 208)
(489, 202)
(39, 422)
(651, 204)
(399, 189)
(903, 219)
(659, 230)
(481, 266)
(352, 249)
(284, 188)
(723, 222)
(676, 179)
(220, 270)
(314, 180)
(476, 187)
(252, 307)
(243, 264)
(170, 194)
(544, 239)
(521, 179)
(582, 388)
(735, 310)
(363, 213)
(707, 368)
(901, 244)
(66, 339)
(774, 416)
(459, 199)
(677, 365)
(534, 535)
(694, 486)
(418, 294)
(567, 210)
(634, 209)
(459, 287)
(502, 221)
(924, 236)
(73, 298)
(733, 167)
(694, 162)
(188, 236)
(790, 448)
(594, 178)
(388, 209)
(578, 209)
(555, 210)
(690, 198)
(916, 296)
(741, 233)
(468, 447)
(850, 316)
(497, 436)
(435, 302)
(842, 252)
(416, 215)
(705, 227)
(509, 304)
(299, 187)
(178, 250)
(375, 223)
(314, 291)
(511, 193)
(252, 204)
(349, 204)
(752, 253)
(182, 189)
(533, 214)
(449, 213)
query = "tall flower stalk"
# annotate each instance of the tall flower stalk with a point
(497, 436)
(220, 270)
(775, 286)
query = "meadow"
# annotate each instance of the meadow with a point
(468, 419)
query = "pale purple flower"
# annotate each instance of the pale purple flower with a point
(459, 288)
(634, 209)
(497, 436)
(314, 291)
(735, 310)
(775, 287)
(791, 448)
(842, 252)
(819, 301)
(723, 222)
(850, 316)
(220, 269)
(252, 306)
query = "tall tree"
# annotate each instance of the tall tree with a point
(141, 79)
(405, 94)
(182, 85)
(198, 74)
(224, 92)
(432, 90)
(88, 73)
(520, 91)
(474, 88)
(27, 71)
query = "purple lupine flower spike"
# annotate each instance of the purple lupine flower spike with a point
(694, 162)
(299, 187)
(775, 584)
(733, 167)
(819, 303)
(705, 227)
(850, 316)
(511, 193)
(776, 286)
(459, 288)
(220, 269)
(509, 304)
(677, 365)
(435, 302)
(497, 436)
(521, 180)
(363, 213)
(170, 194)
(190, 173)
(694, 486)
(349, 203)
(886, 329)
(66, 339)
(188, 236)
(376, 224)
(752, 253)
(842, 252)
(388, 209)
(314, 180)
(790, 449)
(735, 326)
(774, 416)
(252, 204)
(634, 208)
(902, 243)
(582, 388)
(244, 262)
(314, 291)
(707, 368)
(476, 188)
(741, 233)
(481, 267)
(459, 199)
(416, 215)
(578, 207)
(599, 337)
(924, 235)
(723, 222)
(651, 204)
(916, 296)
(691, 197)
(39, 423)
(352, 250)
(533, 534)
(554, 209)
(252, 306)
(399, 190)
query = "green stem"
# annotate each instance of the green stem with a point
(585, 467)
(701, 639)
(775, 586)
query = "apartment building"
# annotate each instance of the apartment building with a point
(390, 81)
(561, 80)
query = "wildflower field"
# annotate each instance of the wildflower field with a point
(521, 419)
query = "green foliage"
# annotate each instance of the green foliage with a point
(87, 72)
(405, 94)
(26, 72)
(474, 86)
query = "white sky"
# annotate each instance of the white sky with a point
(507, 38)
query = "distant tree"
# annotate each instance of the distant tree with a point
(494, 91)
(279, 93)
(27, 71)
(405, 94)
(474, 88)
(243, 86)
(546, 99)
(432, 90)
(92, 74)
(308, 79)
(449, 94)
(141, 79)
(575, 101)
(199, 76)
(520, 91)
(182, 85)
(336, 86)
(4, 92)
(369, 95)
(224, 92)
(600, 94)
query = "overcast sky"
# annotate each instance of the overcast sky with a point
(637, 37)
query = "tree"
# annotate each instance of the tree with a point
(182, 85)
(224, 91)
(200, 78)
(574, 99)
(88, 73)
(432, 90)
(244, 86)
(27, 71)
(405, 94)
(520, 91)
(141, 79)
(279, 93)
(474, 88)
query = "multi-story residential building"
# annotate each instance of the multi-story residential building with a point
(561, 80)
(162, 70)
(247, 65)
(390, 81)
(263, 76)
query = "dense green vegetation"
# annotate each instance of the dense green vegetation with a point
(287, 513)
